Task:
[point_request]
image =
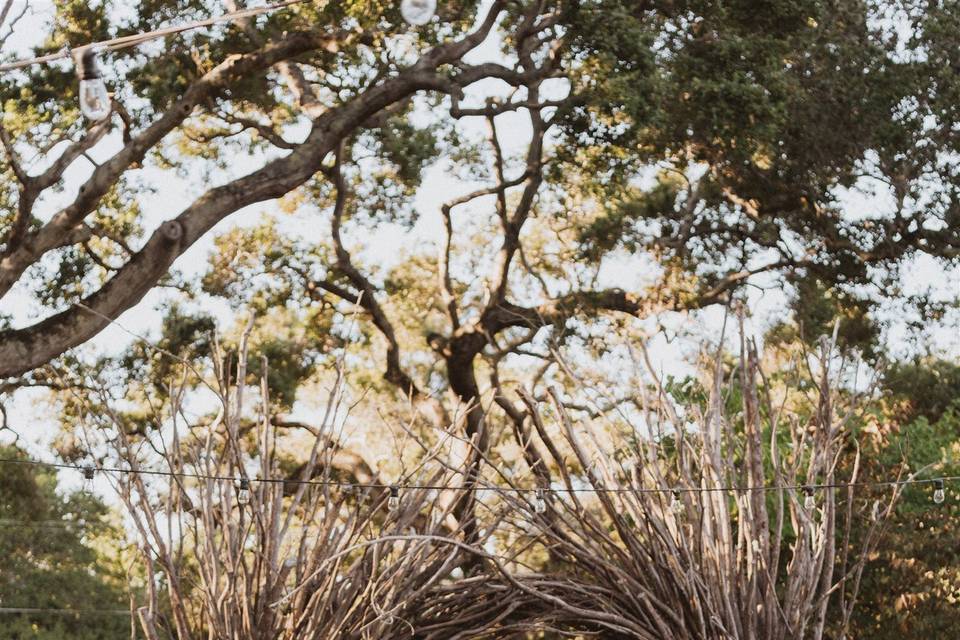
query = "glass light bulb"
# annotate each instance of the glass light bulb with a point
(393, 502)
(939, 495)
(243, 492)
(88, 479)
(94, 99)
(417, 12)
(539, 504)
(676, 506)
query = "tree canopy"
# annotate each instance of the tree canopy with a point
(480, 224)
(721, 139)
(52, 561)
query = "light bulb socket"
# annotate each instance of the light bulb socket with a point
(88, 473)
(938, 484)
(808, 491)
(244, 484)
(394, 492)
(85, 60)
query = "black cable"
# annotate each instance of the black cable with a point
(115, 612)
(517, 490)
(140, 38)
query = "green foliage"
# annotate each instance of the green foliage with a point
(183, 334)
(922, 389)
(815, 309)
(51, 566)
(407, 148)
(770, 110)
(912, 588)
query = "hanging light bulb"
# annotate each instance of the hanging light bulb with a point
(94, 100)
(88, 473)
(394, 500)
(676, 506)
(417, 12)
(539, 503)
(939, 495)
(808, 501)
(243, 492)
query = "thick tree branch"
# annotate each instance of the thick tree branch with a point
(466, 342)
(27, 348)
(19, 256)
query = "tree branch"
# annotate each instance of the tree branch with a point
(18, 257)
(26, 348)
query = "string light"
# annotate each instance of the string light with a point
(88, 474)
(539, 503)
(243, 492)
(418, 12)
(939, 495)
(94, 99)
(43, 524)
(358, 487)
(393, 502)
(140, 38)
(414, 12)
(809, 502)
(676, 506)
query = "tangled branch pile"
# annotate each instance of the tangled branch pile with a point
(698, 525)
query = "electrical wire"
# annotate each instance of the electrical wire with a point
(477, 488)
(43, 524)
(114, 612)
(393, 487)
(136, 39)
